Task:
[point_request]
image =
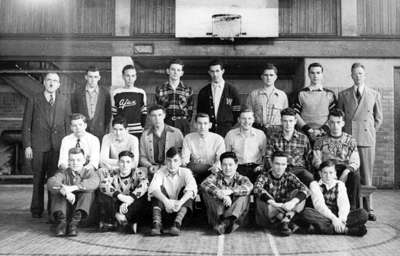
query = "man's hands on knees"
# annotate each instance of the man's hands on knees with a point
(290, 205)
(70, 197)
(338, 225)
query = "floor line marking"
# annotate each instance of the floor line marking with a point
(272, 243)
(220, 250)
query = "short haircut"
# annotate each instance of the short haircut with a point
(155, 107)
(270, 66)
(288, 112)
(336, 112)
(48, 73)
(130, 66)
(357, 65)
(92, 69)
(315, 64)
(175, 61)
(77, 116)
(229, 154)
(76, 151)
(327, 163)
(279, 154)
(246, 110)
(216, 62)
(201, 115)
(119, 120)
(172, 152)
(126, 153)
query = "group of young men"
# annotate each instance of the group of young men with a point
(259, 150)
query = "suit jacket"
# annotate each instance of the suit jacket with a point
(100, 122)
(40, 131)
(364, 118)
(174, 138)
(228, 110)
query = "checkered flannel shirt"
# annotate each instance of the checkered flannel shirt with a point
(178, 103)
(240, 185)
(280, 189)
(298, 148)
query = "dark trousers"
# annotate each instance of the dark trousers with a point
(248, 171)
(200, 171)
(44, 165)
(215, 208)
(181, 124)
(324, 225)
(83, 202)
(302, 173)
(352, 185)
(137, 211)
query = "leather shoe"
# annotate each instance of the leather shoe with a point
(72, 229)
(61, 228)
(371, 216)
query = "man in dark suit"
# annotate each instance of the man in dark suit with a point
(46, 122)
(94, 102)
(363, 117)
(219, 100)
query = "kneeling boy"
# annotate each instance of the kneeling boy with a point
(124, 195)
(172, 189)
(226, 195)
(72, 188)
(332, 214)
(279, 196)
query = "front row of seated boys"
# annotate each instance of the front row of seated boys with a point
(127, 197)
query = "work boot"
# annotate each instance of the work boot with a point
(156, 230)
(61, 222)
(73, 225)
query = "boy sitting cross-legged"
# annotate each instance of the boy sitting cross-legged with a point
(123, 195)
(172, 189)
(331, 213)
(72, 188)
(280, 195)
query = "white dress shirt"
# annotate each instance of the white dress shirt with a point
(217, 90)
(88, 142)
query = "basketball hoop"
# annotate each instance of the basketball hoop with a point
(226, 26)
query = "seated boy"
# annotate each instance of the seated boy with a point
(226, 195)
(72, 188)
(172, 189)
(279, 196)
(332, 214)
(123, 195)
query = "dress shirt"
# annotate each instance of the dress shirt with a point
(91, 100)
(47, 95)
(217, 90)
(88, 142)
(248, 148)
(173, 183)
(319, 202)
(111, 147)
(267, 104)
(202, 150)
(240, 185)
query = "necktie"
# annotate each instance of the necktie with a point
(78, 145)
(358, 95)
(51, 100)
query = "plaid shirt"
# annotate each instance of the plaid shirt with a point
(240, 185)
(279, 189)
(298, 148)
(178, 103)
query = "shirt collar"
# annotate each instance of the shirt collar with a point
(359, 88)
(252, 131)
(295, 134)
(76, 173)
(178, 172)
(219, 85)
(267, 90)
(315, 88)
(320, 182)
(47, 95)
(94, 90)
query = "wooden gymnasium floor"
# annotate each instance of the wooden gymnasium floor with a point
(21, 235)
